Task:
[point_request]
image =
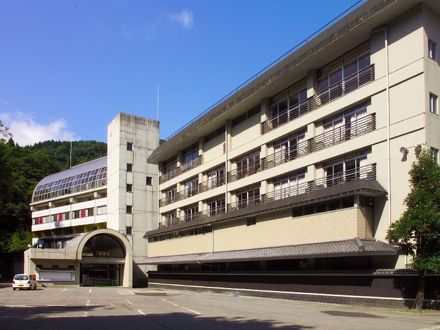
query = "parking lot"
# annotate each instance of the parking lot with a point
(121, 308)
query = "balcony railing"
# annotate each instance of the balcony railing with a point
(244, 172)
(181, 169)
(194, 216)
(188, 192)
(330, 138)
(335, 91)
(367, 172)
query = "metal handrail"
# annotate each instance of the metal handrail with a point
(181, 169)
(185, 193)
(348, 84)
(367, 172)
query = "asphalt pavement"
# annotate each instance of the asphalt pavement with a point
(121, 308)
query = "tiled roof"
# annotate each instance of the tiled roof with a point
(345, 248)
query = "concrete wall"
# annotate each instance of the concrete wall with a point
(144, 136)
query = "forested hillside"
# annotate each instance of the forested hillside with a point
(20, 170)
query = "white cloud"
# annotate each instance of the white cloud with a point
(184, 18)
(26, 131)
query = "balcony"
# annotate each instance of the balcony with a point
(185, 193)
(359, 180)
(199, 215)
(330, 138)
(335, 91)
(181, 169)
(238, 174)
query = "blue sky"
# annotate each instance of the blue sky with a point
(68, 67)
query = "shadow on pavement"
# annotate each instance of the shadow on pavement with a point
(51, 318)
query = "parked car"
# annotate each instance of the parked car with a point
(24, 281)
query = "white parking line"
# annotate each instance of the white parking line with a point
(129, 302)
(90, 290)
(88, 302)
(131, 292)
(64, 290)
(141, 312)
(86, 314)
(183, 307)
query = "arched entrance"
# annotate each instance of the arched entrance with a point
(105, 259)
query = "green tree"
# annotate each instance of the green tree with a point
(20, 240)
(417, 232)
(4, 132)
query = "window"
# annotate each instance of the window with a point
(344, 74)
(149, 181)
(289, 186)
(169, 166)
(433, 103)
(170, 218)
(129, 187)
(170, 195)
(190, 155)
(129, 167)
(218, 132)
(288, 148)
(288, 105)
(216, 177)
(191, 187)
(248, 164)
(434, 155)
(90, 212)
(216, 206)
(129, 146)
(248, 198)
(432, 51)
(251, 221)
(254, 111)
(128, 230)
(347, 169)
(191, 212)
(129, 209)
(344, 126)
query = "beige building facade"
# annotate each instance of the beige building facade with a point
(305, 167)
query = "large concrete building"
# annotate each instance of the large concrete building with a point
(88, 222)
(295, 178)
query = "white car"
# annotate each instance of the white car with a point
(24, 281)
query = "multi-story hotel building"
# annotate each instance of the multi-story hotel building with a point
(303, 169)
(88, 221)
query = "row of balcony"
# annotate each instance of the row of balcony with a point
(181, 169)
(196, 189)
(330, 138)
(334, 91)
(367, 172)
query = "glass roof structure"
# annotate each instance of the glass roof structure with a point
(80, 178)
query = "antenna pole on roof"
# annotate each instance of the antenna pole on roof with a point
(70, 157)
